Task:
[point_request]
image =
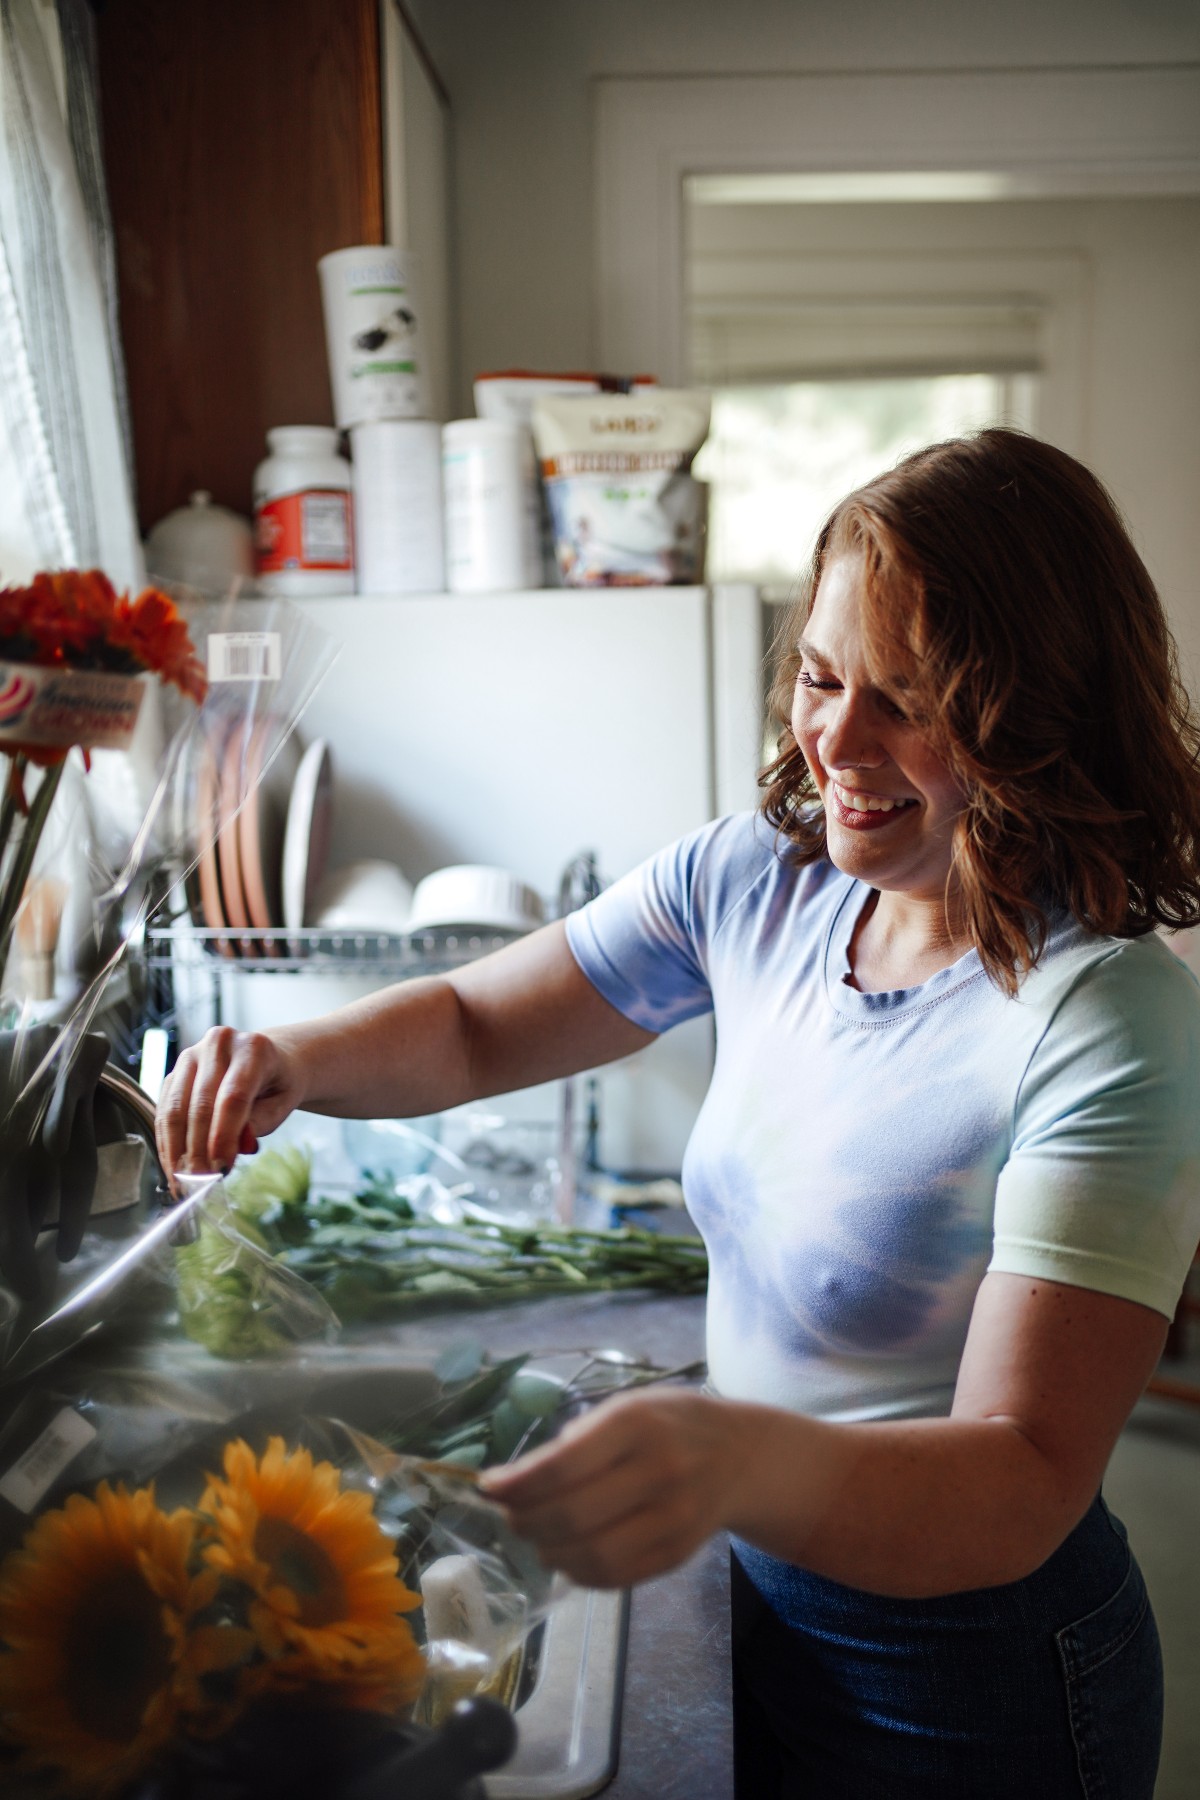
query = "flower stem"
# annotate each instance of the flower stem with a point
(13, 886)
(13, 785)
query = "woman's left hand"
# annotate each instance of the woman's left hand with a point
(631, 1489)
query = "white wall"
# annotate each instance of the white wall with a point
(520, 78)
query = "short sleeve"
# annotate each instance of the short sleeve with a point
(1102, 1187)
(644, 943)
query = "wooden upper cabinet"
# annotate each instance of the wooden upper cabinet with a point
(243, 139)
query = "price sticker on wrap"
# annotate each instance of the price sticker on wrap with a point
(245, 656)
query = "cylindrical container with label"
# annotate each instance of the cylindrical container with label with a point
(372, 335)
(303, 515)
(489, 476)
(398, 507)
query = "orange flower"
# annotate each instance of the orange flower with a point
(94, 1607)
(76, 619)
(325, 1579)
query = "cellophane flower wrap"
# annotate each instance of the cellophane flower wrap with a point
(109, 705)
(228, 1566)
(196, 1558)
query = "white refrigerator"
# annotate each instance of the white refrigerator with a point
(522, 729)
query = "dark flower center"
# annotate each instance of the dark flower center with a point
(116, 1656)
(301, 1564)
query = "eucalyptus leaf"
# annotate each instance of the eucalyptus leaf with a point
(460, 1360)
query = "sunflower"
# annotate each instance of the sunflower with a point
(325, 1580)
(93, 1608)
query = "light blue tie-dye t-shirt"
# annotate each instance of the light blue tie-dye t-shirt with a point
(861, 1160)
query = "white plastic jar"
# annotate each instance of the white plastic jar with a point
(303, 514)
(489, 481)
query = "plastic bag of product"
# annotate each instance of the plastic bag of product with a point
(627, 510)
(202, 1563)
(509, 395)
(224, 683)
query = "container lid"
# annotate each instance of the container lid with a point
(303, 440)
(484, 431)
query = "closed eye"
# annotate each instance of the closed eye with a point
(807, 680)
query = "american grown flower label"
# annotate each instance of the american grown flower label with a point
(54, 708)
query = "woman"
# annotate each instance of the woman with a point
(947, 1169)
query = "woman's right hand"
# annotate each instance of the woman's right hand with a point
(223, 1094)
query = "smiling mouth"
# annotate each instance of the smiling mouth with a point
(866, 812)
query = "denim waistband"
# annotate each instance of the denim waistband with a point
(1083, 1572)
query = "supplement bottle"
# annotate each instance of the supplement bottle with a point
(303, 519)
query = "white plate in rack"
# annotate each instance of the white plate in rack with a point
(307, 832)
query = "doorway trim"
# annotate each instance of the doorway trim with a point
(1052, 134)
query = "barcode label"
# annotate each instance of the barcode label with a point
(244, 656)
(45, 1459)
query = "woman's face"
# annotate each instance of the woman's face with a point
(890, 801)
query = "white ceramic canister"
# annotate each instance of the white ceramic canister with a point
(489, 479)
(371, 333)
(398, 507)
(303, 514)
(206, 546)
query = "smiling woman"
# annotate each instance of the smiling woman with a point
(997, 600)
(947, 1171)
(891, 803)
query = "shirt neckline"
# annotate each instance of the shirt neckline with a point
(895, 1003)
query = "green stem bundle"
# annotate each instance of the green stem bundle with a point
(371, 1258)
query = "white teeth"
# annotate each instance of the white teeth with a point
(866, 803)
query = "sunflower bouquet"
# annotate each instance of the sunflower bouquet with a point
(186, 1652)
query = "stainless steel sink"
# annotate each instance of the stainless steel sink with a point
(569, 1727)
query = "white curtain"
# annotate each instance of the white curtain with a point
(66, 490)
(65, 487)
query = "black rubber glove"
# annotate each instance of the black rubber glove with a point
(48, 1141)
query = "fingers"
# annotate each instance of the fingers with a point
(634, 1549)
(578, 1507)
(171, 1115)
(576, 1458)
(623, 1494)
(204, 1114)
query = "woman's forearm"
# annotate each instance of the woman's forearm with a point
(908, 1508)
(396, 1054)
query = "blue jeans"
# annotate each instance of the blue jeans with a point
(1048, 1688)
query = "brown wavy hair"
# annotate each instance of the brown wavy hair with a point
(1008, 613)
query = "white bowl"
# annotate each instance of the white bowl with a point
(473, 897)
(364, 896)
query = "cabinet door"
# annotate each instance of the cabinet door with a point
(241, 142)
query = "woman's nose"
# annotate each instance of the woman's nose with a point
(850, 740)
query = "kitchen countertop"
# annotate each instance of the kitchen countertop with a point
(676, 1732)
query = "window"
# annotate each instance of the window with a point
(780, 455)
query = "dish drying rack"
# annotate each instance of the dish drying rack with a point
(393, 956)
(175, 946)
(189, 975)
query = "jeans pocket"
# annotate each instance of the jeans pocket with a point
(1112, 1664)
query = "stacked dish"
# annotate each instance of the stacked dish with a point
(259, 816)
